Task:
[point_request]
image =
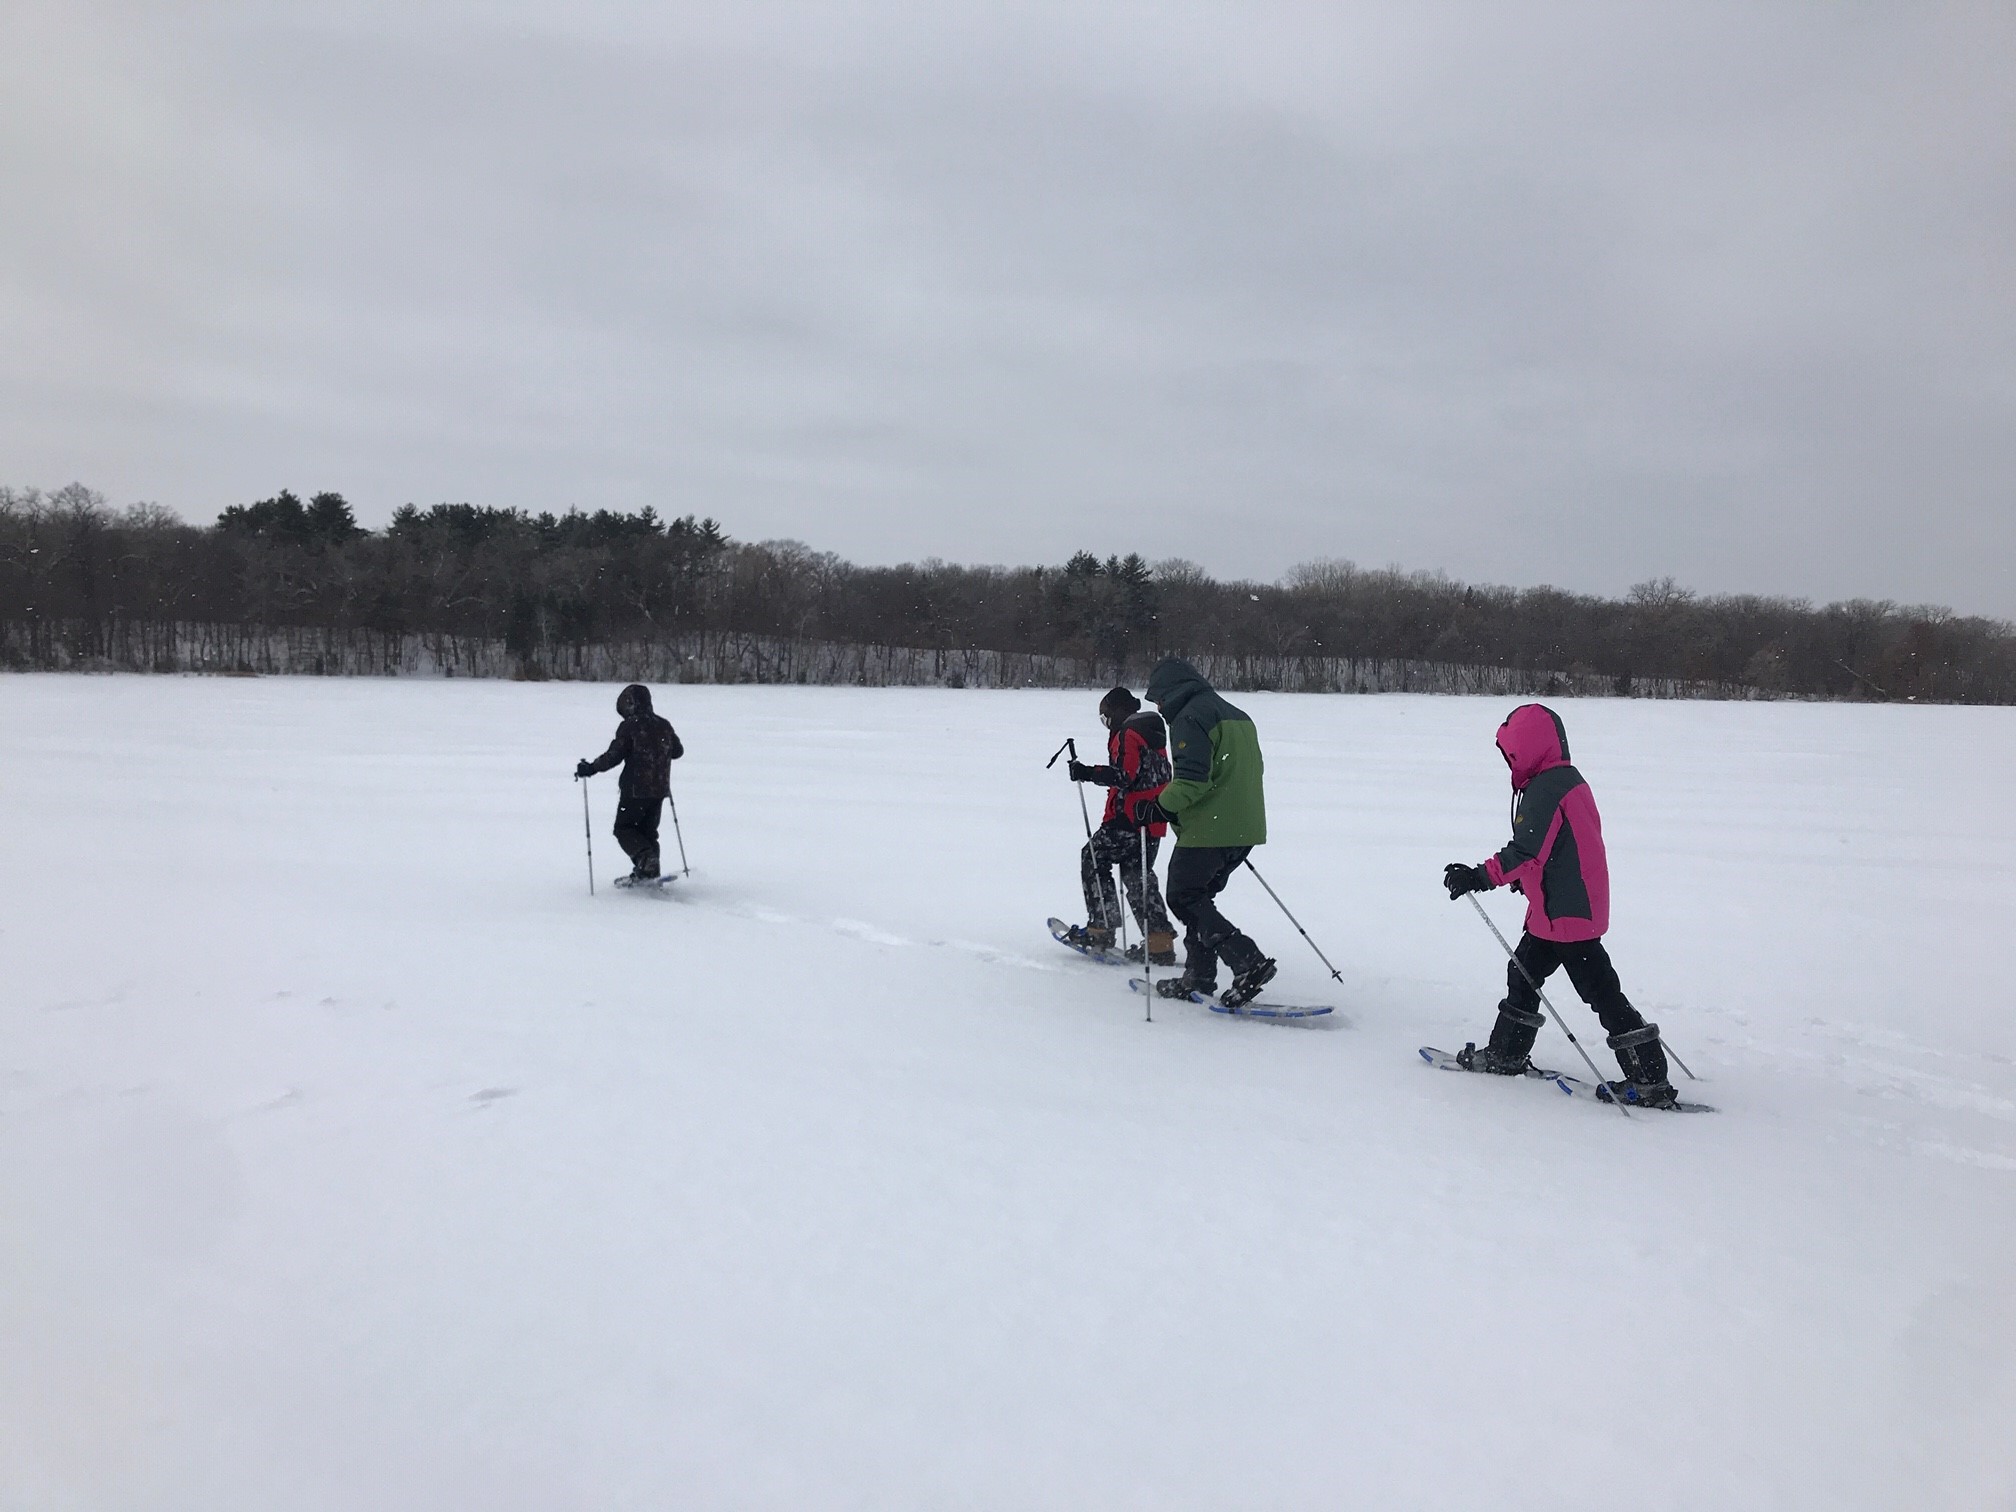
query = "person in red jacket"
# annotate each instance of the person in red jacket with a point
(1137, 769)
(1556, 859)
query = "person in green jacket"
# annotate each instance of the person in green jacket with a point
(1218, 808)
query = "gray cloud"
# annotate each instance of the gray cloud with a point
(1578, 294)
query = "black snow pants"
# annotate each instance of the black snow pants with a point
(1197, 874)
(637, 831)
(1589, 969)
(1114, 845)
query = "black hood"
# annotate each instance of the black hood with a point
(634, 702)
(1173, 683)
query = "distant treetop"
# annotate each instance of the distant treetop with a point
(325, 520)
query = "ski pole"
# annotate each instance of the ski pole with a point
(1513, 956)
(588, 834)
(683, 867)
(1293, 920)
(1147, 955)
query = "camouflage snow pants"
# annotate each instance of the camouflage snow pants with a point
(1114, 845)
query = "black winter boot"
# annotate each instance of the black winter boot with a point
(1250, 969)
(1200, 971)
(1642, 1059)
(1247, 984)
(1510, 1050)
(1470, 1058)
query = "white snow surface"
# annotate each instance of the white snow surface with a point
(353, 1156)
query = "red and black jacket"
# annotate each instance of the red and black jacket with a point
(1138, 769)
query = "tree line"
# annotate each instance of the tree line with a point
(83, 584)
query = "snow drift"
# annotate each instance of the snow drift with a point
(352, 1155)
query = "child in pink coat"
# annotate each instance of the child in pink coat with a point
(1556, 859)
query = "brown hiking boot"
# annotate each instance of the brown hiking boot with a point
(1162, 947)
(1088, 937)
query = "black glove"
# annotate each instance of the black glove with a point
(584, 769)
(1461, 879)
(1148, 812)
(1080, 772)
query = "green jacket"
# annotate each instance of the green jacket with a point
(1216, 796)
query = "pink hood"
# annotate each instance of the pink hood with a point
(1531, 740)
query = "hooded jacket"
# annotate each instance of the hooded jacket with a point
(1216, 796)
(645, 744)
(1556, 854)
(1137, 755)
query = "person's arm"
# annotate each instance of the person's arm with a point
(617, 754)
(678, 749)
(1190, 754)
(1530, 823)
(1132, 749)
(1138, 790)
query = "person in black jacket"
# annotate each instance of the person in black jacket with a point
(646, 745)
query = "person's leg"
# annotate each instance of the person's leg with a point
(1157, 920)
(1156, 931)
(1595, 979)
(1635, 1043)
(1533, 961)
(1218, 935)
(654, 813)
(1519, 1016)
(1218, 932)
(1135, 876)
(637, 832)
(1095, 871)
(631, 831)
(1193, 870)
(1125, 849)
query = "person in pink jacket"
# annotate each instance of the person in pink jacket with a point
(1556, 859)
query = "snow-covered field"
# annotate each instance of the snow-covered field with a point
(353, 1156)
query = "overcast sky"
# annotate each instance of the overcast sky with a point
(1557, 292)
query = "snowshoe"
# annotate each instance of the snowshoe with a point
(655, 885)
(1081, 938)
(1182, 988)
(1269, 1010)
(1468, 1057)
